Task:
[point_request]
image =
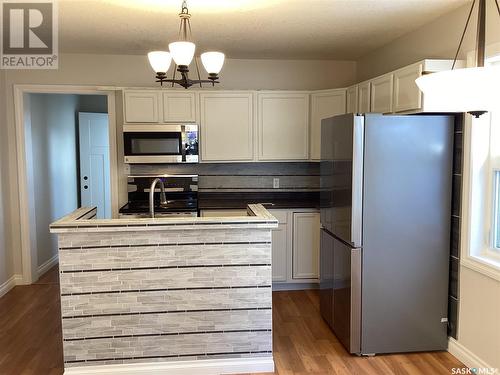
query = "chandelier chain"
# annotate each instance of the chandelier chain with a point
(463, 35)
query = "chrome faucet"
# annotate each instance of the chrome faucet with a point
(163, 198)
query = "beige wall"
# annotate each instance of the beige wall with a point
(114, 70)
(479, 315)
(6, 262)
(438, 39)
(53, 149)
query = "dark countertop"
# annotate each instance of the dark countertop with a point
(236, 200)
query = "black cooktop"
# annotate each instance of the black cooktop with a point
(174, 205)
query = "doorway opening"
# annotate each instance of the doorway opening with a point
(67, 164)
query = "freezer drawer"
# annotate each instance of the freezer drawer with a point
(340, 290)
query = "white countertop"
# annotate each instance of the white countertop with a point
(83, 220)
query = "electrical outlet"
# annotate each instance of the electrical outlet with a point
(276, 183)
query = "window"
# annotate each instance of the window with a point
(494, 178)
(481, 192)
(496, 210)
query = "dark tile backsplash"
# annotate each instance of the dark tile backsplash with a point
(455, 237)
(454, 294)
(219, 177)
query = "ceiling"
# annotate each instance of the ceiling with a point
(279, 29)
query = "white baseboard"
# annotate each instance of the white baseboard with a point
(10, 283)
(201, 367)
(47, 265)
(465, 356)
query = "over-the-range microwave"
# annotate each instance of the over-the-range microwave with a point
(147, 143)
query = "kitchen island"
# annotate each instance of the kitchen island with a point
(168, 295)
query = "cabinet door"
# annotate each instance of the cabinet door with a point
(141, 106)
(179, 107)
(306, 242)
(323, 105)
(226, 123)
(407, 95)
(381, 94)
(279, 252)
(352, 99)
(283, 126)
(364, 97)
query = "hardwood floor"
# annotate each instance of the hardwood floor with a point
(31, 343)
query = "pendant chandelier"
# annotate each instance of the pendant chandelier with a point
(474, 90)
(182, 52)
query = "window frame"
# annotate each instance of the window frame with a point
(479, 203)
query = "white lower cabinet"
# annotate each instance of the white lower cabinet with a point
(305, 253)
(295, 255)
(280, 246)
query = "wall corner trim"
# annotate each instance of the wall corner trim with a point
(464, 355)
(47, 265)
(10, 283)
(205, 367)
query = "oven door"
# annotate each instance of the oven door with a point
(160, 144)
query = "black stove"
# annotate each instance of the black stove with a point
(173, 205)
(181, 192)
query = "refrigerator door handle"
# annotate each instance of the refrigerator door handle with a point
(355, 329)
(357, 181)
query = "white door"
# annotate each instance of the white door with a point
(94, 162)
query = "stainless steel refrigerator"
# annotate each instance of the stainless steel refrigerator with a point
(385, 214)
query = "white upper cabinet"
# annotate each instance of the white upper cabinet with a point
(141, 106)
(407, 95)
(352, 99)
(179, 107)
(226, 123)
(283, 119)
(381, 94)
(159, 106)
(364, 97)
(323, 105)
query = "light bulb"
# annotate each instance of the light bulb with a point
(212, 61)
(182, 52)
(160, 61)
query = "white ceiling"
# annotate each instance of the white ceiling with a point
(281, 29)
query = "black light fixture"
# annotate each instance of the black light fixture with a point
(182, 52)
(474, 90)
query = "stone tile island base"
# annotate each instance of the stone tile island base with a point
(167, 295)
